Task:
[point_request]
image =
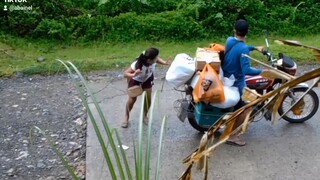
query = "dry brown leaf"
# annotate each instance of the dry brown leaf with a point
(305, 77)
(203, 146)
(291, 42)
(228, 130)
(279, 42)
(249, 94)
(316, 51)
(229, 120)
(297, 43)
(316, 82)
(187, 160)
(297, 109)
(187, 174)
(270, 67)
(245, 124)
(317, 54)
(278, 103)
(207, 170)
(272, 74)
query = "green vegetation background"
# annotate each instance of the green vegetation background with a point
(98, 35)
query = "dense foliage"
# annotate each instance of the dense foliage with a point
(126, 20)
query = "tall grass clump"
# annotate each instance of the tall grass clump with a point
(116, 158)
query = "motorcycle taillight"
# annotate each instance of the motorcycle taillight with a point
(292, 72)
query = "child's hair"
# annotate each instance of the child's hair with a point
(150, 53)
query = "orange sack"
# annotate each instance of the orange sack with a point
(209, 87)
(217, 47)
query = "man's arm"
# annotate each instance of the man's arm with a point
(258, 48)
(246, 67)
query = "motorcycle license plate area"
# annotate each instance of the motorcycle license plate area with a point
(207, 115)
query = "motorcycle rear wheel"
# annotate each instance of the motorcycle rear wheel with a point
(308, 112)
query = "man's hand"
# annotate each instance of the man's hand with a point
(260, 48)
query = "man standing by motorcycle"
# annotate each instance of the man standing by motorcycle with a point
(235, 64)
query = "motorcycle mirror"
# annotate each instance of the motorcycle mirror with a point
(266, 38)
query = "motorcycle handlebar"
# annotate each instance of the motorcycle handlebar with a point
(265, 52)
(268, 54)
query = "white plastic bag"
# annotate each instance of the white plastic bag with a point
(232, 97)
(226, 81)
(194, 80)
(181, 70)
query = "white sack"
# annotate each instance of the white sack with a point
(232, 97)
(226, 81)
(181, 70)
(194, 80)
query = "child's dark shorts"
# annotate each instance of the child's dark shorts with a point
(145, 85)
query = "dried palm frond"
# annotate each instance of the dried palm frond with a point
(273, 74)
(317, 54)
(187, 174)
(271, 99)
(247, 113)
(298, 101)
(203, 146)
(316, 82)
(272, 71)
(278, 102)
(249, 94)
(297, 43)
(206, 171)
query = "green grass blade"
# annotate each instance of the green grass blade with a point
(135, 158)
(95, 126)
(104, 122)
(164, 122)
(149, 138)
(56, 150)
(124, 157)
(140, 138)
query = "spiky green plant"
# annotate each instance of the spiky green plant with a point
(142, 166)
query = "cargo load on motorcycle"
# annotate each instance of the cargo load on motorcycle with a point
(211, 91)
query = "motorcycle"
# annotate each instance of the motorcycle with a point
(186, 107)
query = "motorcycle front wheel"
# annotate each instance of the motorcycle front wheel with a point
(308, 108)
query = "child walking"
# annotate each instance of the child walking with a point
(141, 72)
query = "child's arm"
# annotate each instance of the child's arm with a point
(130, 73)
(161, 61)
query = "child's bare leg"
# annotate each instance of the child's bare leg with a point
(129, 107)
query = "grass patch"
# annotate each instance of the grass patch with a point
(20, 55)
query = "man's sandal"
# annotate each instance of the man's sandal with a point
(236, 143)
